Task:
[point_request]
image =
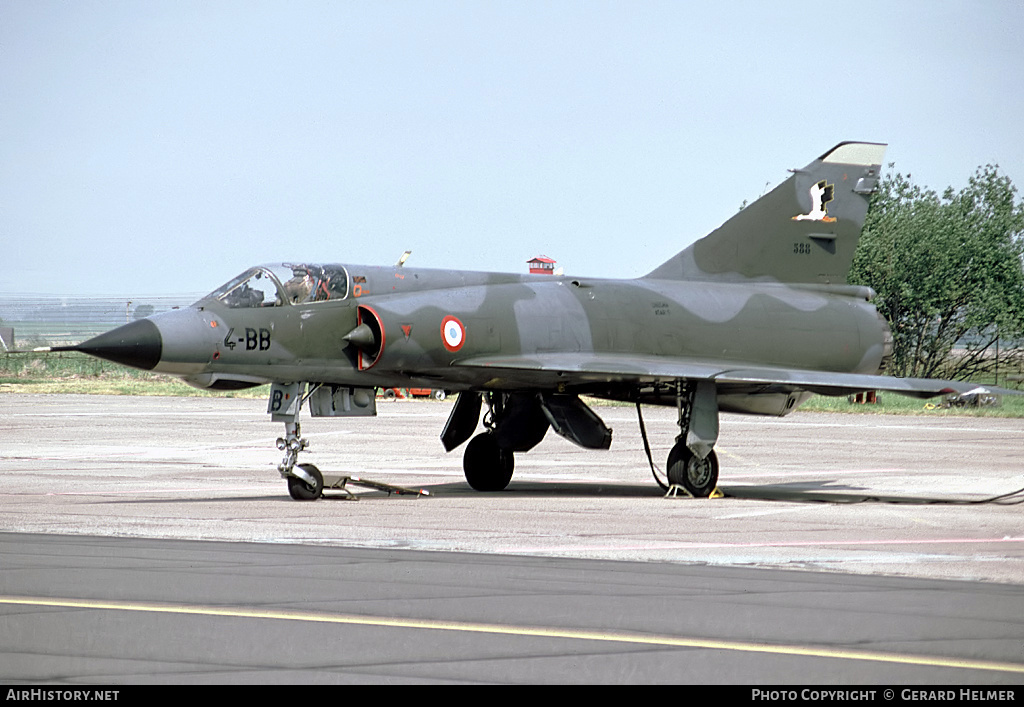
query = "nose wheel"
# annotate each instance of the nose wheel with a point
(305, 482)
(302, 490)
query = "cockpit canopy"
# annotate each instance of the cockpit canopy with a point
(285, 283)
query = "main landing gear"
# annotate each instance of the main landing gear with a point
(487, 466)
(516, 422)
(698, 476)
(692, 462)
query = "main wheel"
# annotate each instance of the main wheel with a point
(698, 476)
(300, 490)
(487, 466)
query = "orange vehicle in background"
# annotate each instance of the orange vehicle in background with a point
(408, 393)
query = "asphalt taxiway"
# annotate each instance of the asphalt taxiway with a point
(116, 500)
(904, 496)
(80, 609)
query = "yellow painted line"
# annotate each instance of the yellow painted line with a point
(509, 630)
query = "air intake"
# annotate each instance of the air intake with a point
(368, 337)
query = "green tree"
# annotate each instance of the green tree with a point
(947, 271)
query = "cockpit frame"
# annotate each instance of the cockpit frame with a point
(279, 284)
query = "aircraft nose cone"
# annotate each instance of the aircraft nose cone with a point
(137, 344)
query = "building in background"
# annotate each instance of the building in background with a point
(541, 265)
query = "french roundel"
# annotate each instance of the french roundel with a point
(453, 333)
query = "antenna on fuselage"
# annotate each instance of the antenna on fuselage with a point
(405, 256)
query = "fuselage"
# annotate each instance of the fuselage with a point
(417, 324)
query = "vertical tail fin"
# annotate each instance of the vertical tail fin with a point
(803, 231)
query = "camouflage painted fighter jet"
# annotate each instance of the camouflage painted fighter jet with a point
(754, 318)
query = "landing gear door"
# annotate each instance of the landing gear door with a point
(343, 401)
(464, 418)
(570, 417)
(285, 401)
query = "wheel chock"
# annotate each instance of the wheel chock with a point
(677, 491)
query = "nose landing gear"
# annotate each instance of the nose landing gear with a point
(305, 482)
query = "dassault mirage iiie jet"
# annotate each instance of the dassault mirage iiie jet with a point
(754, 318)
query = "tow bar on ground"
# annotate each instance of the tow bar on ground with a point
(341, 483)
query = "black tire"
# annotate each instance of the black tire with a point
(698, 476)
(300, 490)
(487, 466)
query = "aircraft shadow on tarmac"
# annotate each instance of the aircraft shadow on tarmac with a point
(834, 492)
(542, 489)
(820, 491)
(823, 491)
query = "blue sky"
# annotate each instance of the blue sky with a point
(162, 147)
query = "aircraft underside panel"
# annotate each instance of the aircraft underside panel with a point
(774, 404)
(343, 401)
